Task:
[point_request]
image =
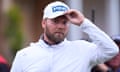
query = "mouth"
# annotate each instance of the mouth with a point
(59, 33)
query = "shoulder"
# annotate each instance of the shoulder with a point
(29, 55)
(31, 51)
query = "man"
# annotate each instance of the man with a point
(54, 53)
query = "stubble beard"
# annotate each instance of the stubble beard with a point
(54, 37)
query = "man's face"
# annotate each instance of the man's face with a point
(56, 29)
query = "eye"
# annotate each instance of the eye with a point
(65, 22)
(55, 21)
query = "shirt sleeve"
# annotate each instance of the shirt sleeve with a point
(16, 66)
(106, 48)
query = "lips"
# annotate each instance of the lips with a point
(59, 33)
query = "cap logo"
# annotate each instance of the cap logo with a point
(59, 8)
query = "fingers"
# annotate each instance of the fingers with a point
(72, 13)
(74, 16)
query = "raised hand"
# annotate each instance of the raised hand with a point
(74, 16)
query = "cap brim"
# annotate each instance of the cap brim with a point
(57, 14)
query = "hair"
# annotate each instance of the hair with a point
(116, 39)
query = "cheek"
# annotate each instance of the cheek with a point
(50, 28)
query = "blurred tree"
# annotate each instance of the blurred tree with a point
(14, 29)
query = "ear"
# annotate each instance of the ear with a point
(43, 23)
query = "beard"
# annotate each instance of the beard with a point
(55, 37)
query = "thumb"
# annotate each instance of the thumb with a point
(68, 16)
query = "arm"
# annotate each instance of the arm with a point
(106, 48)
(101, 68)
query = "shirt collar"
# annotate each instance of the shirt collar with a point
(44, 44)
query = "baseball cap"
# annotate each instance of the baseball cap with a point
(55, 9)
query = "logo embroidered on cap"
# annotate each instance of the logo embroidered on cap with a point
(59, 8)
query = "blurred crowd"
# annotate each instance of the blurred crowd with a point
(4, 66)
